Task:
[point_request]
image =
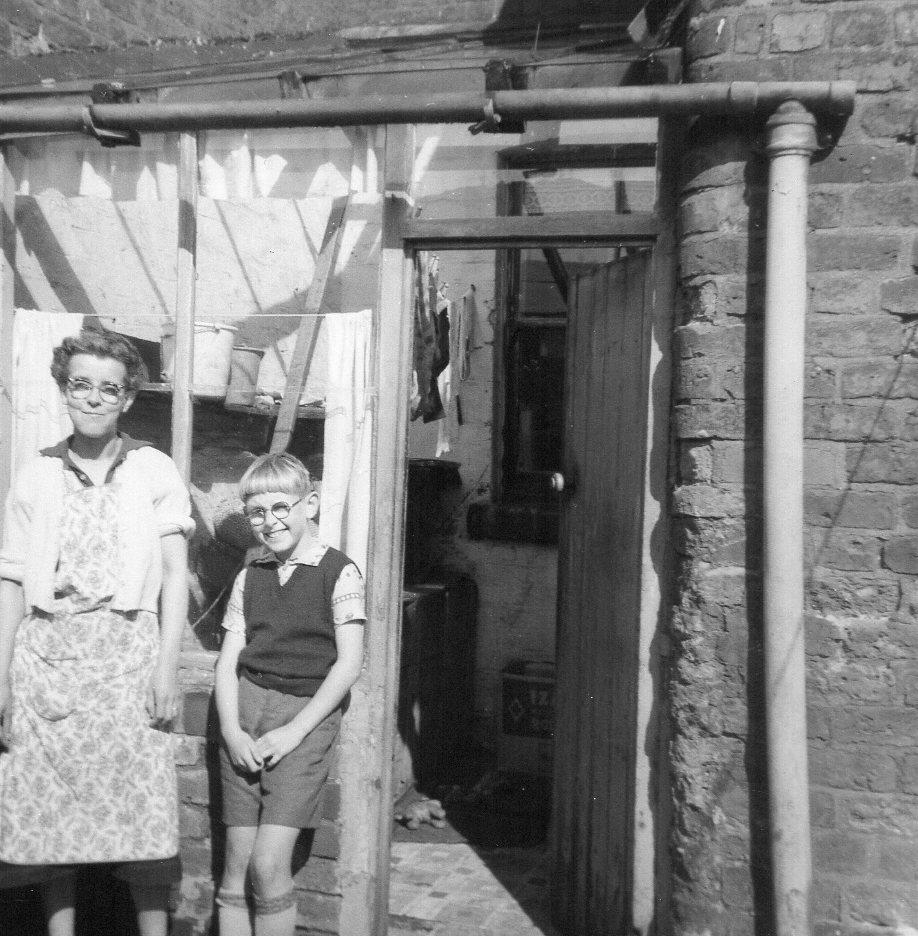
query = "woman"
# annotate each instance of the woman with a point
(93, 600)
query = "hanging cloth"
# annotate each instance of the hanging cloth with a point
(428, 341)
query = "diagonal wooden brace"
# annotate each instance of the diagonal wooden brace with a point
(306, 336)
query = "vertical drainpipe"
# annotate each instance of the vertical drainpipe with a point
(791, 141)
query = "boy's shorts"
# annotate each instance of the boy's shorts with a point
(289, 793)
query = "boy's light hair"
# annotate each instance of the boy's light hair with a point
(281, 472)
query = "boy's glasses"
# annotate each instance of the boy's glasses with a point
(80, 388)
(280, 511)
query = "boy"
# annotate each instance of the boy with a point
(292, 649)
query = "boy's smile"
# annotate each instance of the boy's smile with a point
(283, 536)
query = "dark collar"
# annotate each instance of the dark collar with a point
(62, 451)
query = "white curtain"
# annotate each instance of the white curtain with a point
(39, 415)
(345, 511)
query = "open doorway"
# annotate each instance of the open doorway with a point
(477, 708)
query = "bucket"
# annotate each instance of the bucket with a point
(244, 365)
(213, 346)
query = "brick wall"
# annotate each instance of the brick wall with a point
(861, 478)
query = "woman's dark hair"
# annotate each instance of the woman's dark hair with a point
(100, 344)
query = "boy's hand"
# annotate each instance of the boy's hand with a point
(275, 744)
(242, 750)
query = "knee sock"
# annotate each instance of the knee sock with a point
(275, 916)
(233, 914)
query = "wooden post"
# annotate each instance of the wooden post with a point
(185, 272)
(7, 286)
(366, 805)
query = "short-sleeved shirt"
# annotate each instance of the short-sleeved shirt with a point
(348, 597)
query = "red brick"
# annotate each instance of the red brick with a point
(831, 336)
(709, 35)
(905, 23)
(900, 554)
(880, 377)
(848, 552)
(863, 510)
(797, 32)
(838, 853)
(825, 209)
(863, 163)
(909, 507)
(852, 251)
(884, 462)
(881, 903)
(853, 769)
(859, 28)
(702, 500)
(750, 33)
(822, 809)
(705, 255)
(843, 293)
(884, 116)
(854, 421)
(884, 205)
(709, 420)
(900, 296)
(852, 593)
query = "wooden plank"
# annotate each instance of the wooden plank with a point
(7, 287)
(185, 273)
(562, 838)
(551, 155)
(651, 874)
(540, 231)
(366, 773)
(308, 333)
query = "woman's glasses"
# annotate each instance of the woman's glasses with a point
(280, 511)
(80, 388)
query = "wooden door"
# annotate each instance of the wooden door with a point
(598, 598)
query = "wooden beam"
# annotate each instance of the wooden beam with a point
(367, 795)
(576, 228)
(307, 335)
(7, 288)
(185, 273)
(552, 155)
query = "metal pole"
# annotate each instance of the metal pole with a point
(791, 141)
(738, 97)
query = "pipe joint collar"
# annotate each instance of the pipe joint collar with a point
(791, 130)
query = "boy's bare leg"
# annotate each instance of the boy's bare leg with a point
(275, 905)
(58, 897)
(151, 903)
(232, 909)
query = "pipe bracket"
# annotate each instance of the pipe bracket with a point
(491, 119)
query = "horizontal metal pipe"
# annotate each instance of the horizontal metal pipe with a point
(738, 97)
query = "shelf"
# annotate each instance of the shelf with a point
(267, 410)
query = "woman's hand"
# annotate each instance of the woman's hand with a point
(6, 716)
(243, 750)
(278, 743)
(162, 695)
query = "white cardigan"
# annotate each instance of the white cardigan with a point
(153, 501)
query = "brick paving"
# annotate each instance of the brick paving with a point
(458, 890)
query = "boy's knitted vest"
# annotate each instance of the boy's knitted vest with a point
(289, 629)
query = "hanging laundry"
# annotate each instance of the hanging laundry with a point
(465, 339)
(429, 356)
